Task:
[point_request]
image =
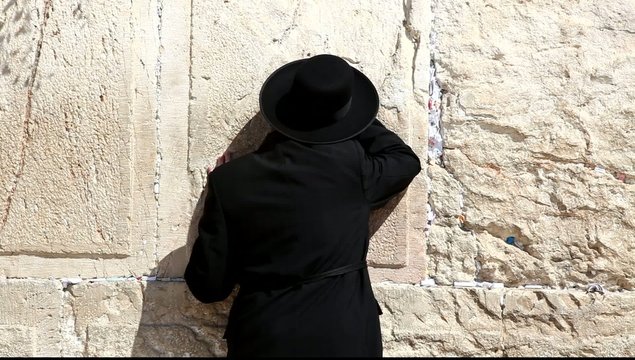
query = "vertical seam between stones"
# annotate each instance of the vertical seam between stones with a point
(434, 117)
(414, 35)
(503, 328)
(190, 90)
(436, 136)
(68, 324)
(26, 131)
(157, 118)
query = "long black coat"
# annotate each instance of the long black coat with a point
(284, 213)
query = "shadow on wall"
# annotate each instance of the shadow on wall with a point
(173, 322)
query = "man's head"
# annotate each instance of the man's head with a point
(319, 100)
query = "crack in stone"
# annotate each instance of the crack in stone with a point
(414, 35)
(74, 342)
(26, 130)
(609, 28)
(503, 325)
(557, 322)
(618, 175)
(85, 352)
(513, 133)
(293, 25)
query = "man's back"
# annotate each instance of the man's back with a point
(287, 213)
(294, 209)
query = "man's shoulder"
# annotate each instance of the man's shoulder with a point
(347, 149)
(235, 164)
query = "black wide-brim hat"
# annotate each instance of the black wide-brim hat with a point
(281, 108)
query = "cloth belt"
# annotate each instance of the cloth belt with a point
(281, 284)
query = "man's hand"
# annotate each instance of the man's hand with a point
(225, 158)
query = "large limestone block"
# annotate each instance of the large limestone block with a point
(538, 109)
(30, 318)
(78, 137)
(174, 182)
(161, 318)
(68, 187)
(103, 318)
(17, 341)
(237, 44)
(152, 318)
(559, 323)
(443, 321)
(172, 307)
(440, 321)
(453, 255)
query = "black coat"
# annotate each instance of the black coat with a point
(283, 213)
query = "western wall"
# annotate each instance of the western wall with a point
(516, 239)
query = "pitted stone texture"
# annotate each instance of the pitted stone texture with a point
(557, 323)
(446, 197)
(191, 328)
(452, 255)
(30, 318)
(105, 317)
(19, 23)
(537, 114)
(106, 303)
(417, 321)
(236, 45)
(69, 180)
(131, 318)
(440, 321)
(154, 318)
(17, 341)
(75, 188)
(507, 322)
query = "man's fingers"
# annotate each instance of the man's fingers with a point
(226, 157)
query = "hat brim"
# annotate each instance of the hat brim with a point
(363, 108)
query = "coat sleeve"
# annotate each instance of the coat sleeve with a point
(388, 164)
(209, 273)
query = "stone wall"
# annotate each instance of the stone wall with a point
(515, 240)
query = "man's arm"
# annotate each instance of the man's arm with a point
(209, 274)
(388, 164)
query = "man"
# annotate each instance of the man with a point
(288, 223)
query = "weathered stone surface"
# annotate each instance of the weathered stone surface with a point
(558, 323)
(171, 306)
(537, 109)
(79, 145)
(30, 317)
(154, 318)
(105, 317)
(109, 340)
(175, 198)
(110, 111)
(123, 132)
(18, 341)
(440, 321)
(452, 255)
(258, 37)
(72, 126)
(160, 318)
(505, 322)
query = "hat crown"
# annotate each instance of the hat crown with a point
(319, 100)
(324, 84)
